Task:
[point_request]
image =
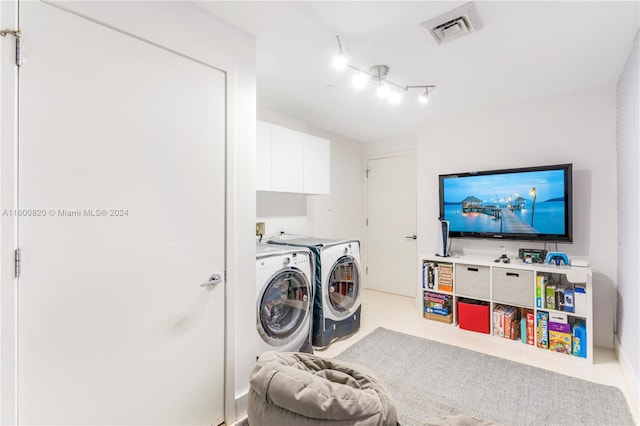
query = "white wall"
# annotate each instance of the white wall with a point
(628, 157)
(185, 28)
(576, 128)
(340, 214)
(400, 143)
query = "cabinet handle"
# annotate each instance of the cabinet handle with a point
(472, 269)
(512, 274)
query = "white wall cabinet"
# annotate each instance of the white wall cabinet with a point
(291, 161)
(287, 166)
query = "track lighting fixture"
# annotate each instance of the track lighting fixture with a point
(340, 60)
(378, 73)
(424, 98)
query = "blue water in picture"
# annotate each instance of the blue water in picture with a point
(548, 218)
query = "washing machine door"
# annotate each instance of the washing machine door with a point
(284, 307)
(343, 285)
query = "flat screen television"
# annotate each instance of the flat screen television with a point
(531, 203)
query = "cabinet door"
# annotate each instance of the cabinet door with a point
(263, 156)
(513, 286)
(473, 281)
(316, 165)
(287, 160)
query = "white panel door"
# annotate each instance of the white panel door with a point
(391, 213)
(263, 156)
(317, 167)
(122, 148)
(286, 160)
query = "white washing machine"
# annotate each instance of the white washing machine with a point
(338, 288)
(284, 278)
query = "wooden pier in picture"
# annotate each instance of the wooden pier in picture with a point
(512, 224)
(484, 209)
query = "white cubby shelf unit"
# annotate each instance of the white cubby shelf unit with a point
(483, 280)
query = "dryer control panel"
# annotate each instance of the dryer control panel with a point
(296, 259)
(352, 250)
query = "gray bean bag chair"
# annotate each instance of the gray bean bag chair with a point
(298, 389)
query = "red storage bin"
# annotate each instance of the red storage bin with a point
(474, 315)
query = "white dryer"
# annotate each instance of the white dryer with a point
(284, 278)
(338, 286)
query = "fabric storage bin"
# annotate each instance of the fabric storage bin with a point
(474, 315)
(513, 287)
(473, 281)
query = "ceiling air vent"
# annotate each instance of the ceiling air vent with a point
(454, 24)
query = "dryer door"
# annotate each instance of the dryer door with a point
(284, 306)
(344, 285)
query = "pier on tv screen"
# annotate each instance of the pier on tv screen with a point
(518, 203)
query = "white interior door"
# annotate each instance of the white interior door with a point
(391, 229)
(122, 158)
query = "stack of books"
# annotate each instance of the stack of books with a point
(437, 306)
(506, 322)
(445, 277)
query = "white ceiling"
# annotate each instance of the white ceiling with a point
(525, 51)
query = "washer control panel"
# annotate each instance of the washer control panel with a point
(296, 259)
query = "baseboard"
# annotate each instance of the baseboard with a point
(241, 406)
(630, 377)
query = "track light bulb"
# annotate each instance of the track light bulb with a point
(339, 62)
(424, 98)
(359, 80)
(383, 90)
(395, 98)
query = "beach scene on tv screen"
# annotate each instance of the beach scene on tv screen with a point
(514, 203)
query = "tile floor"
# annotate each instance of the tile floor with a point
(402, 314)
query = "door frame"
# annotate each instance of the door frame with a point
(365, 252)
(238, 127)
(8, 224)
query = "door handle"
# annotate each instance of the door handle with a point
(411, 237)
(213, 280)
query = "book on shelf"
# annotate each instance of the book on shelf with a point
(432, 304)
(438, 311)
(440, 318)
(542, 329)
(445, 277)
(550, 296)
(559, 341)
(498, 320)
(436, 299)
(580, 299)
(579, 339)
(530, 327)
(541, 282)
(434, 295)
(428, 279)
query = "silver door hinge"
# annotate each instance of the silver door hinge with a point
(367, 172)
(17, 261)
(366, 221)
(366, 270)
(17, 34)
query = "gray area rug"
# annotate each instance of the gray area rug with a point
(429, 380)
